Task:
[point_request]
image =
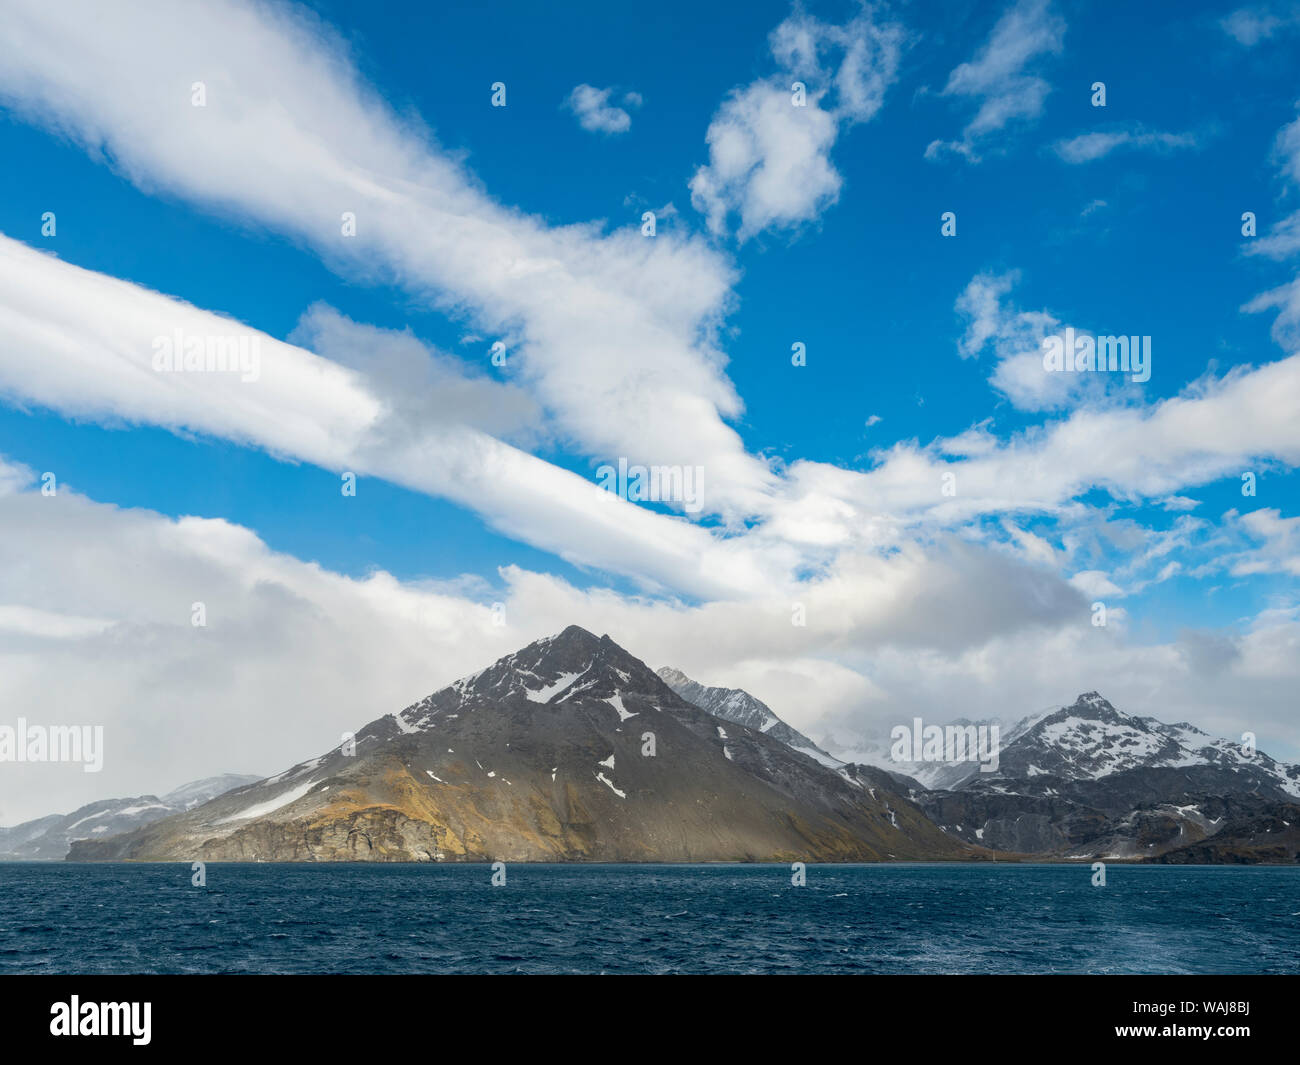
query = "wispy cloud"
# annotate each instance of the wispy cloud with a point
(82, 344)
(1283, 239)
(293, 142)
(1089, 147)
(1015, 339)
(1249, 26)
(1001, 78)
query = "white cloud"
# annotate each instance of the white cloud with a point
(83, 344)
(1226, 683)
(1089, 147)
(80, 343)
(33, 621)
(1094, 584)
(290, 657)
(95, 628)
(981, 304)
(1283, 240)
(294, 140)
(1248, 26)
(769, 160)
(1015, 338)
(999, 76)
(1286, 149)
(1285, 299)
(596, 114)
(1280, 550)
(291, 138)
(1213, 429)
(420, 387)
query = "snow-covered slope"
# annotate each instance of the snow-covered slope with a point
(1092, 740)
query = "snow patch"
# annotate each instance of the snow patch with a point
(610, 784)
(270, 805)
(545, 694)
(616, 701)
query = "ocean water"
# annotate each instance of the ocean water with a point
(942, 918)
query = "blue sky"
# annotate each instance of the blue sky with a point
(823, 480)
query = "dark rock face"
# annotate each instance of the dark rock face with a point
(570, 749)
(1268, 833)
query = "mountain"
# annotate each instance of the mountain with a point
(936, 776)
(741, 708)
(1091, 781)
(546, 756)
(1091, 740)
(50, 838)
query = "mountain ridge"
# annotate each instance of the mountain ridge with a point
(1089, 781)
(742, 708)
(569, 749)
(50, 838)
(572, 749)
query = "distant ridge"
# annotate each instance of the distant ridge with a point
(50, 838)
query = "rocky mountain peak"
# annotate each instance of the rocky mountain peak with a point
(1094, 704)
(574, 638)
(737, 705)
(673, 677)
(552, 670)
(1090, 706)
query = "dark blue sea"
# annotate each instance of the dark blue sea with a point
(271, 918)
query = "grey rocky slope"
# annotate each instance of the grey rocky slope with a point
(50, 838)
(544, 756)
(741, 708)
